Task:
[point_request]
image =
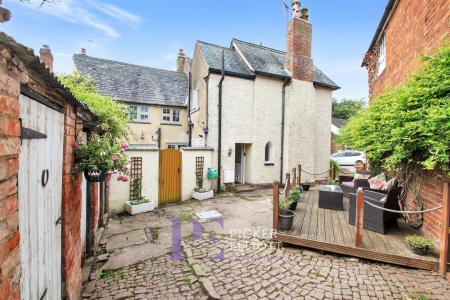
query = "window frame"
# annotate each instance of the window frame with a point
(268, 154)
(170, 115)
(382, 56)
(138, 113)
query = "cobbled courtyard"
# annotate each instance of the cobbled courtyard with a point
(220, 265)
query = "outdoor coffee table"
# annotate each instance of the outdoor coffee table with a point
(331, 197)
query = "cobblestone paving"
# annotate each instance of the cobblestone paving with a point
(159, 278)
(253, 270)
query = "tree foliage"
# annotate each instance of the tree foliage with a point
(346, 108)
(113, 115)
(410, 124)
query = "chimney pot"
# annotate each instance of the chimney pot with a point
(181, 61)
(46, 57)
(83, 51)
(295, 8)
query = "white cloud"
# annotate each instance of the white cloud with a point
(116, 12)
(77, 11)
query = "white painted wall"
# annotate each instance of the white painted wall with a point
(188, 177)
(120, 191)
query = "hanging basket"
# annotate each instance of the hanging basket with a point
(95, 178)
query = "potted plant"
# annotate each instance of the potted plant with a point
(138, 204)
(199, 193)
(419, 244)
(306, 185)
(285, 216)
(98, 157)
(294, 196)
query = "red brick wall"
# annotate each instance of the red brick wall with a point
(416, 27)
(9, 167)
(71, 212)
(298, 49)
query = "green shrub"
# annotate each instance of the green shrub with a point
(284, 204)
(419, 241)
(410, 124)
(294, 194)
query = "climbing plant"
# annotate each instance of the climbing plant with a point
(113, 115)
(409, 125)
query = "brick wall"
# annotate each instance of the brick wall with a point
(9, 167)
(71, 212)
(414, 29)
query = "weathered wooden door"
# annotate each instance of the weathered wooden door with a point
(169, 176)
(40, 192)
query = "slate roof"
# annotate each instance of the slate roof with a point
(133, 83)
(338, 122)
(262, 60)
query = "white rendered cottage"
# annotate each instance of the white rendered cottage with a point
(268, 111)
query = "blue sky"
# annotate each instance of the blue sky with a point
(150, 32)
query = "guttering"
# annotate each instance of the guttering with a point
(189, 108)
(219, 148)
(283, 109)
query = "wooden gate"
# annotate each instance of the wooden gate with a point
(169, 176)
(40, 192)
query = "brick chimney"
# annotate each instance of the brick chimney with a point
(181, 60)
(298, 44)
(83, 52)
(46, 57)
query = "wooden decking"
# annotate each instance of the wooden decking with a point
(330, 231)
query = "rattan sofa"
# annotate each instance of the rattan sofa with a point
(376, 219)
(350, 185)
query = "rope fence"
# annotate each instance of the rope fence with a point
(404, 211)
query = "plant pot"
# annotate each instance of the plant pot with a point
(285, 221)
(92, 178)
(306, 186)
(140, 208)
(293, 206)
(202, 196)
(419, 250)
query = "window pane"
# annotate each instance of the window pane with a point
(176, 115)
(267, 153)
(144, 108)
(133, 112)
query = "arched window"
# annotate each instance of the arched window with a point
(268, 153)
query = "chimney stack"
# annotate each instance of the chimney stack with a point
(83, 52)
(46, 57)
(181, 60)
(298, 44)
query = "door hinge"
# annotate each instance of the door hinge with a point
(27, 133)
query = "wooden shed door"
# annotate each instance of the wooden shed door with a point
(40, 193)
(169, 176)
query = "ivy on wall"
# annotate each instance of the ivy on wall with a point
(113, 115)
(410, 124)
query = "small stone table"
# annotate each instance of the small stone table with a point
(331, 197)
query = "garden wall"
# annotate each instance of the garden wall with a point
(188, 177)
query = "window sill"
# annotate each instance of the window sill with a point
(269, 164)
(139, 122)
(171, 124)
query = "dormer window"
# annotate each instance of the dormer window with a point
(381, 64)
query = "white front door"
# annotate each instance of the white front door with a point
(239, 169)
(40, 193)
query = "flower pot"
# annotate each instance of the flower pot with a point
(202, 195)
(95, 178)
(419, 250)
(285, 221)
(293, 206)
(305, 186)
(140, 208)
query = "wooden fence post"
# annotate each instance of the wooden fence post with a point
(294, 177)
(359, 221)
(299, 174)
(445, 217)
(333, 172)
(288, 185)
(276, 195)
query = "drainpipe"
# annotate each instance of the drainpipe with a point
(219, 148)
(206, 129)
(283, 109)
(189, 109)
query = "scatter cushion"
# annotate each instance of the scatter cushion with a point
(361, 176)
(350, 184)
(378, 182)
(389, 185)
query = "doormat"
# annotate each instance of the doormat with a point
(210, 214)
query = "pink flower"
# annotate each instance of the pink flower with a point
(124, 146)
(115, 157)
(122, 178)
(74, 145)
(127, 167)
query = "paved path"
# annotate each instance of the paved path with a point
(140, 264)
